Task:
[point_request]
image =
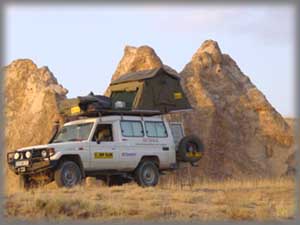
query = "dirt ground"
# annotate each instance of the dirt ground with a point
(261, 200)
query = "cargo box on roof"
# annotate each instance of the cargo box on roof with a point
(156, 89)
(84, 104)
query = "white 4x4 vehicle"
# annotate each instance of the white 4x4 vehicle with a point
(115, 148)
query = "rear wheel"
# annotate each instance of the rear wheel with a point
(147, 174)
(68, 174)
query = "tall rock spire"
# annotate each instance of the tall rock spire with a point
(243, 133)
(136, 59)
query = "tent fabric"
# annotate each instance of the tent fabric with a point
(157, 89)
(132, 86)
(125, 96)
(142, 75)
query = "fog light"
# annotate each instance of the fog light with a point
(44, 153)
(17, 156)
(28, 154)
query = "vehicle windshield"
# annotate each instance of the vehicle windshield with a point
(76, 132)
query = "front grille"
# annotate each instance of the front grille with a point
(36, 154)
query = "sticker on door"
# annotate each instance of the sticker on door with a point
(103, 155)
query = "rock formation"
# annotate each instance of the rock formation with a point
(31, 98)
(136, 59)
(242, 132)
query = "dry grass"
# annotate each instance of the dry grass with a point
(207, 200)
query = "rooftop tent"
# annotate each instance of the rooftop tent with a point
(156, 89)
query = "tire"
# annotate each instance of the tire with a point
(190, 149)
(147, 174)
(68, 174)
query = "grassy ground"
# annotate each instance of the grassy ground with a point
(206, 200)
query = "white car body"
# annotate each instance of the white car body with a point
(121, 154)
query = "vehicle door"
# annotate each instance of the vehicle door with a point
(157, 141)
(103, 154)
(130, 148)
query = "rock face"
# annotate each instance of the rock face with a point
(136, 59)
(242, 132)
(292, 122)
(31, 98)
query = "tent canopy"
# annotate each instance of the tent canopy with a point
(143, 75)
(156, 89)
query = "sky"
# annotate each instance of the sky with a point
(82, 45)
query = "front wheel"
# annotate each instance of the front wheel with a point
(68, 174)
(147, 174)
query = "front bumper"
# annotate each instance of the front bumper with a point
(33, 165)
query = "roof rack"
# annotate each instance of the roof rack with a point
(107, 112)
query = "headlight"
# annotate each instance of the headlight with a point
(17, 156)
(44, 153)
(28, 154)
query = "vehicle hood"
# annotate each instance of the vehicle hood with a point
(59, 146)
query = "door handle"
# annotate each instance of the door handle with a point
(165, 148)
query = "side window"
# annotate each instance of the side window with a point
(177, 132)
(103, 132)
(156, 129)
(132, 129)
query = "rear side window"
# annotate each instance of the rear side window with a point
(132, 129)
(156, 129)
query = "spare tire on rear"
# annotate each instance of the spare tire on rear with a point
(190, 149)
